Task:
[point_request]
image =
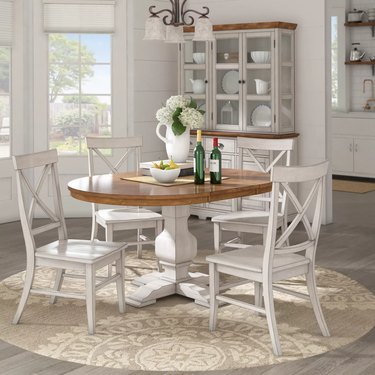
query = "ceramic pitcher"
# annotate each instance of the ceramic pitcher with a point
(177, 146)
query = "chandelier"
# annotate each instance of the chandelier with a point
(170, 27)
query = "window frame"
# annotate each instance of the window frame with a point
(80, 93)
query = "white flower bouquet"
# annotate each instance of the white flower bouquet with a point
(180, 112)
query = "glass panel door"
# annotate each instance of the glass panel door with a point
(195, 79)
(259, 108)
(228, 82)
(286, 81)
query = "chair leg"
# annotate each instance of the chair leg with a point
(271, 319)
(217, 238)
(158, 230)
(214, 290)
(30, 272)
(90, 298)
(58, 282)
(120, 283)
(311, 287)
(94, 228)
(109, 238)
(139, 244)
(258, 294)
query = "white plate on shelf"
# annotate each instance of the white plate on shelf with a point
(261, 116)
(230, 83)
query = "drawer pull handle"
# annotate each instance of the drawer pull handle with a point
(221, 146)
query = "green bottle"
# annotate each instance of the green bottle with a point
(199, 160)
(215, 163)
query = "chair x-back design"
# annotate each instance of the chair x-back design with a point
(277, 259)
(254, 151)
(123, 218)
(84, 256)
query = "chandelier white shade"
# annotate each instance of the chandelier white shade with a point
(155, 29)
(169, 28)
(203, 30)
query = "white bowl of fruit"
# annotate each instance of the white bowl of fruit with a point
(165, 172)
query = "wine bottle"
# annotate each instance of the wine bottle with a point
(215, 163)
(199, 160)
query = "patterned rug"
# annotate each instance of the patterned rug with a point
(173, 335)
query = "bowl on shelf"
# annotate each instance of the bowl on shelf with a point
(165, 175)
(199, 57)
(261, 57)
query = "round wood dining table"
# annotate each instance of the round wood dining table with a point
(175, 247)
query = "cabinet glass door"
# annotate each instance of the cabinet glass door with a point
(227, 82)
(259, 109)
(286, 81)
(195, 81)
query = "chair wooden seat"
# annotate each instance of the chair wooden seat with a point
(127, 215)
(81, 251)
(257, 218)
(251, 259)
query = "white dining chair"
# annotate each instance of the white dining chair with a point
(276, 260)
(84, 256)
(254, 154)
(122, 218)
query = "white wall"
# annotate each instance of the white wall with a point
(152, 78)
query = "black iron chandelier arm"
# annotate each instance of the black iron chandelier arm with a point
(165, 18)
(191, 21)
(178, 16)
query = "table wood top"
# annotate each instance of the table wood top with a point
(111, 189)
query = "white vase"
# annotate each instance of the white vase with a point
(177, 146)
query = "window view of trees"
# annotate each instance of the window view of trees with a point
(4, 102)
(79, 90)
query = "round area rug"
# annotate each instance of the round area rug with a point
(173, 335)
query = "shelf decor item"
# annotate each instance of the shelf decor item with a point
(170, 27)
(179, 115)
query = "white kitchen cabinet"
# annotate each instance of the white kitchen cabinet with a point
(353, 156)
(221, 76)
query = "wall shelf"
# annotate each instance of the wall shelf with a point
(371, 63)
(370, 24)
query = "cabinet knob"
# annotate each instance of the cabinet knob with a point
(243, 81)
(206, 81)
(221, 146)
(239, 81)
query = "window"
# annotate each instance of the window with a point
(334, 62)
(5, 57)
(79, 89)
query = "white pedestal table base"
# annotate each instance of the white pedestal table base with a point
(176, 248)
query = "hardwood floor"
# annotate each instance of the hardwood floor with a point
(347, 246)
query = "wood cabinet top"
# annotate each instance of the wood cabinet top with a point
(249, 26)
(111, 189)
(229, 134)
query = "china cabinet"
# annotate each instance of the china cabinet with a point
(244, 80)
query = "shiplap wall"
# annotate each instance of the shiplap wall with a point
(358, 74)
(152, 76)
